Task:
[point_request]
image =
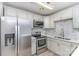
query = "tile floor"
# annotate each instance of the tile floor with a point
(47, 53)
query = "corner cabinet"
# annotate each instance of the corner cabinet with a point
(48, 22)
(60, 47)
(76, 16)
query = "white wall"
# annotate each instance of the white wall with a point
(1, 9)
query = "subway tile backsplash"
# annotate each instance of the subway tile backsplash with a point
(49, 31)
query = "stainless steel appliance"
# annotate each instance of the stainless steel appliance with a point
(41, 45)
(38, 24)
(15, 36)
(41, 42)
(36, 34)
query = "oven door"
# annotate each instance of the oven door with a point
(41, 42)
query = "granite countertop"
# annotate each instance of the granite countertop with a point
(63, 39)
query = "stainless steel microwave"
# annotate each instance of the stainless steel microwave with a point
(38, 24)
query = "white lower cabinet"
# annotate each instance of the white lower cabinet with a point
(60, 47)
(33, 44)
(48, 43)
(65, 48)
(52, 45)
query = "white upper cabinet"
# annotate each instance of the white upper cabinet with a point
(21, 13)
(52, 17)
(56, 16)
(24, 14)
(76, 16)
(9, 11)
(65, 14)
(37, 17)
(40, 18)
(47, 23)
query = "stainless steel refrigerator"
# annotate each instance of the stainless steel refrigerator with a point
(15, 36)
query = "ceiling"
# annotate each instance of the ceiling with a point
(33, 7)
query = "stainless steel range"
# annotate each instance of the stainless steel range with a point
(40, 42)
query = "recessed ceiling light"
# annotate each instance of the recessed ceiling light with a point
(44, 5)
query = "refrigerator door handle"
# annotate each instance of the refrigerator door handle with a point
(17, 38)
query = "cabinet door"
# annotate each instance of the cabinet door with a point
(65, 48)
(57, 17)
(55, 46)
(33, 44)
(49, 43)
(47, 22)
(76, 16)
(52, 21)
(9, 11)
(40, 18)
(35, 17)
(21, 13)
(30, 16)
(65, 14)
(52, 45)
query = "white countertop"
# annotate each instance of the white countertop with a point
(71, 40)
(23, 35)
(76, 52)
